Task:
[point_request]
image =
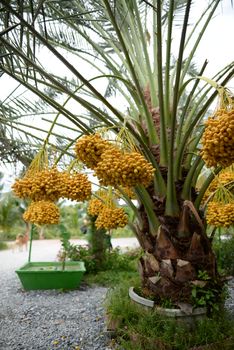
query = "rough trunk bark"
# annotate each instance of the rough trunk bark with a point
(99, 241)
(169, 272)
(172, 265)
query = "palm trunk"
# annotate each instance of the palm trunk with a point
(98, 242)
(177, 256)
(175, 259)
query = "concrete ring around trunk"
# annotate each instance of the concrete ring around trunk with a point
(140, 300)
(177, 313)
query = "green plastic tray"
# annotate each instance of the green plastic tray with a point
(49, 275)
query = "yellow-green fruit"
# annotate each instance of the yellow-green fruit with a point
(42, 213)
(50, 184)
(218, 139)
(108, 169)
(123, 169)
(128, 191)
(219, 214)
(76, 186)
(40, 185)
(22, 187)
(89, 149)
(224, 178)
(111, 218)
(95, 206)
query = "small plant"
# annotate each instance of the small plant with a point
(207, 297)
(82, 253)
(167, 304)
(202, 297)
(65, 236)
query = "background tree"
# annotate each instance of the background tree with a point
(1, 184)
(11, 210)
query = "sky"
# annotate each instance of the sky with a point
(216, 46)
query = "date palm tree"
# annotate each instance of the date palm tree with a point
(124, 48)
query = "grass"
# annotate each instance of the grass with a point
(117, 267)
(110, 278)
(140, 329)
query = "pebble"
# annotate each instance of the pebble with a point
(49, 320)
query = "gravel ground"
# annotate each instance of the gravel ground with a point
(230, 300)
(48, 320)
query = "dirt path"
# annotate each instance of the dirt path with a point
(47, 250)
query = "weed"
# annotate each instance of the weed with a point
(144, 329)
(208, 295)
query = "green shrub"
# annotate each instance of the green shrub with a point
(113, 259)
(224, 250)
(10, 234)
(83, 253)
(3, 246)
(115, 267)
